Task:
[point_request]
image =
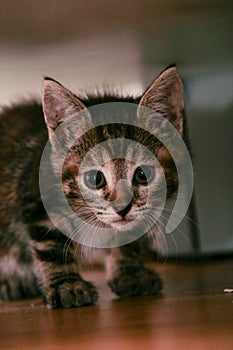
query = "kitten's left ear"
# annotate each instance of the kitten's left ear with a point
(166, 97)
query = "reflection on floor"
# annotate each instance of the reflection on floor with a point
(192, 313)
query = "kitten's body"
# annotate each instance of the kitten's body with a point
(36, 257)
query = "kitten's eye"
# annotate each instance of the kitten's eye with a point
(143, 175)
(94, 179)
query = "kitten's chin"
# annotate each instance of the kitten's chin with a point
(123, 224)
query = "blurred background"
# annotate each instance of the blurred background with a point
(125, 44)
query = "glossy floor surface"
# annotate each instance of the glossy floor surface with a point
(192, 313)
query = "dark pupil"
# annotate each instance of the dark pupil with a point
(143, 175)
(99, 179)
(95, 179)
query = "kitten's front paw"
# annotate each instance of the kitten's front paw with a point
(75, 294)
(14, 288)
(132, 281)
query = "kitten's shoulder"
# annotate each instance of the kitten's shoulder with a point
(21, 108)
(21, 119)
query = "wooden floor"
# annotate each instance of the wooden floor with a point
(192, 313)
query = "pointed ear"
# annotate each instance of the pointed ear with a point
(59, 104)
(166, 97)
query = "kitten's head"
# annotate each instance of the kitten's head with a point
(114, 173)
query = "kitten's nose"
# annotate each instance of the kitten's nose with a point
(123, 202)
(124, 211)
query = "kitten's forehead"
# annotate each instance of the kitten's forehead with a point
(118, 169)
(119, 152)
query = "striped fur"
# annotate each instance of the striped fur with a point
(36, 258)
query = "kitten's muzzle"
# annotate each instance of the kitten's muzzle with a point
(124, 195)
(125, 211)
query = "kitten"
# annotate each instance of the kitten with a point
(36, 258)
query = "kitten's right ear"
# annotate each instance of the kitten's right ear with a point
(60, 104)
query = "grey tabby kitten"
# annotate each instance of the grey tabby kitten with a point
(38, 259)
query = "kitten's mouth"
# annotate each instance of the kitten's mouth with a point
(119, 222)
(122, 222)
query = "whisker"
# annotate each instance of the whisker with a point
(178, 230)
(170, 210)
(158, 231)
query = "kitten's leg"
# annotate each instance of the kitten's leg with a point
(126, 274)
(17, 279)
(57, 270)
